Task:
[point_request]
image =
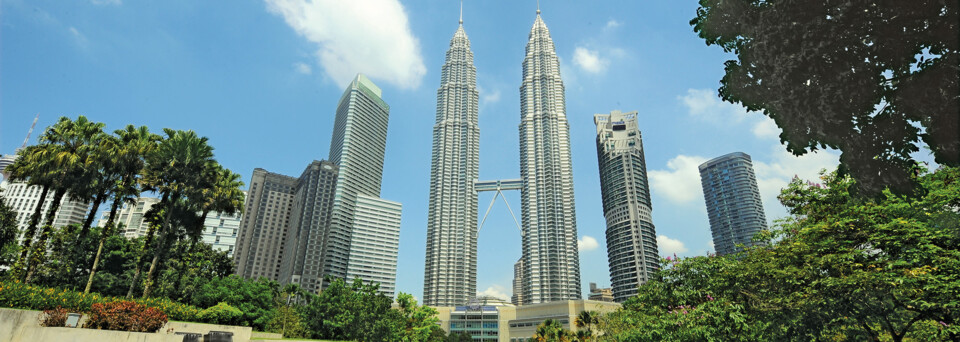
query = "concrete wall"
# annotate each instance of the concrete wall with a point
(240, 334)
(260, 334)
(24, 326)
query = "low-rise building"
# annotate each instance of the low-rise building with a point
(491, 319)
(600, 294)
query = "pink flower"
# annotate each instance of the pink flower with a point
(944, 324)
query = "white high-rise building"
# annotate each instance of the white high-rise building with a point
(631, 236)
(450, 272)
(130, 217)
(551, 263)
(357, 148)
(23, 199)
(221, 230)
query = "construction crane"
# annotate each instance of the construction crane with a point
(27, 139)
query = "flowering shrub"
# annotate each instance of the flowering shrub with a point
(21, 296)
(126, 316)
(53, 318)
(222, 313)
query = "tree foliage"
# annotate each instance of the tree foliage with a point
(872, 79)
(841, 268)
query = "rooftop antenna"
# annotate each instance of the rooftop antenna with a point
(461, 12)
(27, 139)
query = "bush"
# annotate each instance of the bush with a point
(21, 296)
(54, 317)
(126, 316)
(222, 313)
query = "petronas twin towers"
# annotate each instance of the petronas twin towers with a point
(551, 268)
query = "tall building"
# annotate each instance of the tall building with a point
(631, 237)
(313, 200)
(23, 199)
(263, 230)
(221, 230)
(6, 160)
(551, 269)
(733, 201)
(450, 273)
(357, 148)
(517, 297)
(375, 242)
(130, 217)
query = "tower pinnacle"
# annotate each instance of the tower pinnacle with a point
(461, 12)
(538, 6)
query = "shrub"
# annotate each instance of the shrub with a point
(126, 316)
(22, 296)
(54, 317)
(222, 313)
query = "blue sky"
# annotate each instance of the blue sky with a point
(261, 79)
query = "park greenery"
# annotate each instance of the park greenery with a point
(875, 80)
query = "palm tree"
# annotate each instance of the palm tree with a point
(96, 180)
(64, 148)
(129, 150)
(551, 330)
(222, 194)
(175, 171)
(35, 171)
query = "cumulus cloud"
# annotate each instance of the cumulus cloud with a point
(589, 60)
(668, 246)
(774, 174)
(705, 105)
(612, 24)
(766, 128)
(372, 37)
(495, 291)
(302, 68)
(680, 183)
(490, 96)
(587, 243)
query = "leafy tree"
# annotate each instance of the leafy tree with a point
(288, 322)
(8, 232)
(418, 322)
(462, 336)
(841, 268)
(352, 312)
(872, 79)
(255, 298)
(190, 266)
(31, 168)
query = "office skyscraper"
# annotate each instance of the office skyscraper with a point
(733, 201)
(631, 237)
(312, 204)
(357, 148)
(23, 199)
(551, 269)
(450, 274)
(263, 231)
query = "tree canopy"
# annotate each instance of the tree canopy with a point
(873, 79)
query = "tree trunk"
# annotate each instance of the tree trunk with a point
(31, 231)
(104, 234)
(40, 248)
(151, 233)
(157, 254)
(93, 213)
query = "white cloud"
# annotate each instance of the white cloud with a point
(495, 291)
(613, 23)
(705, 105)
(589, 60)
(372, 37)
(107, 2)
(774, 175)
(490, 97)
(681, 182)
(303, 68)
(766, 128)
(587, 243)
(78, 37)
(668, 246)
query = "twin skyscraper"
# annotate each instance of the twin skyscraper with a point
(549, 268)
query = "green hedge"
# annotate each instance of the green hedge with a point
(21, 296)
